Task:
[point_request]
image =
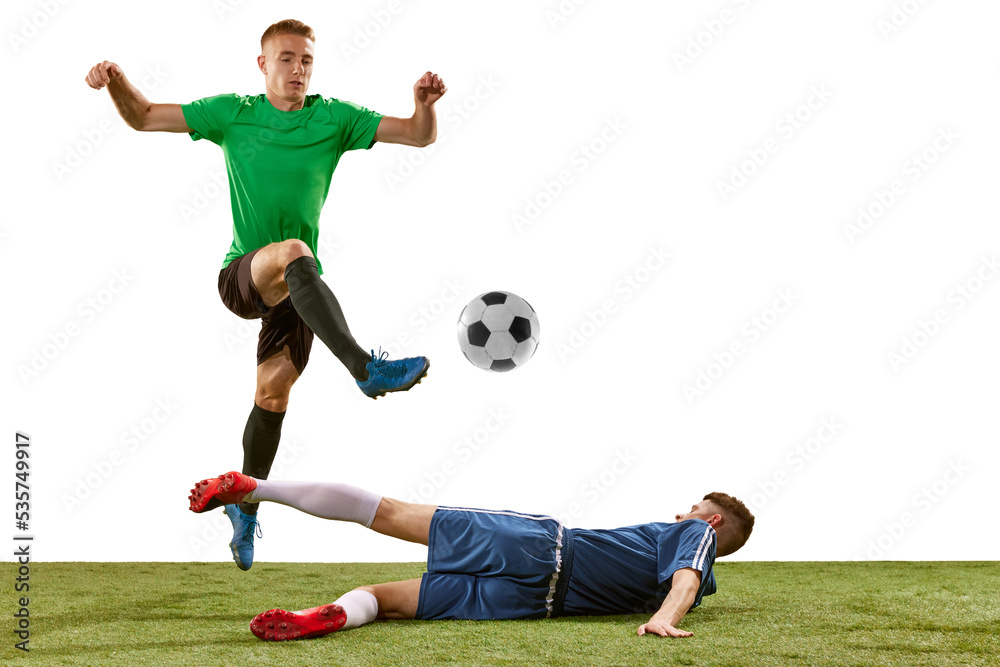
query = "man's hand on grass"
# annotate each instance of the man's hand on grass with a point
(655, 627)
(683, 590)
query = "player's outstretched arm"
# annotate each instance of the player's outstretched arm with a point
(683, 590)
(137, 112)
(421, 128)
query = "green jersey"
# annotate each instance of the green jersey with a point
(279, 162)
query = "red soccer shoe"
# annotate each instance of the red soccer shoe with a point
(227, 489)
(278, 625)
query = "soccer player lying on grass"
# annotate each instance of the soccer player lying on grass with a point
(484, 564)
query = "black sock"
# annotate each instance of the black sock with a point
(260, 444)
(319, 308)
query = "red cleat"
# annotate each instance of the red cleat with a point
(227, 489)
(278, 625)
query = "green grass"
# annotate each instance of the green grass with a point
(886, 613)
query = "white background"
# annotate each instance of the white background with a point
(405, 230)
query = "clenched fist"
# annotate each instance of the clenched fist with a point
(102, 74)
(429, 89)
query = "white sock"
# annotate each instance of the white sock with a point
(340, 502)
(361, 607)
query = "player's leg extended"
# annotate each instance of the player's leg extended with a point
(395, 600)
(343, 502)
(326, 500)
(288, 268)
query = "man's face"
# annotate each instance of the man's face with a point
(704, 510)
(287, 64)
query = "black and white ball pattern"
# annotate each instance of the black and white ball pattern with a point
(498, 331)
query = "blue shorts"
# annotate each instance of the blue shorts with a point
(485, 564)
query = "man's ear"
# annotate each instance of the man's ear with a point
(716, 521)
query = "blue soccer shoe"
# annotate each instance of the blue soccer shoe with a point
(385, 376)
(244, 528)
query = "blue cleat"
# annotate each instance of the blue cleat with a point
(385, 376)
(244, 527)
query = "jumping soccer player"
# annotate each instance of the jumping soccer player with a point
(281, 148)
(484, 564)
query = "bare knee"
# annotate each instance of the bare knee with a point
(267, 270)
(275, 378)
(397, 600)
(272, 400)
(404, 521)
(288, 251)
(273, 393)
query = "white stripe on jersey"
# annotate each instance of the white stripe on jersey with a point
(534, 517)
(555, 575)
(702, 552)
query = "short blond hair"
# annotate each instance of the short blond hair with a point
(287, 27)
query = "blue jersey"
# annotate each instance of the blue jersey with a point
(628, 570)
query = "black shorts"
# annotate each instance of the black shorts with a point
(280, 324)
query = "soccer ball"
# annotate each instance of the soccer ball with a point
(498, 331)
